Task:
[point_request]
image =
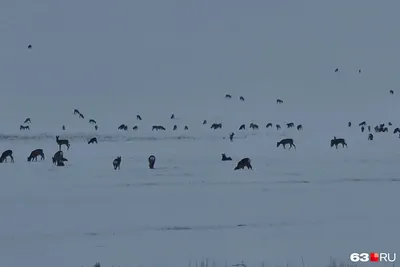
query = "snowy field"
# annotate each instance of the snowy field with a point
(114, 60)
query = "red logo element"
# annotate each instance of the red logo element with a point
(374, 257)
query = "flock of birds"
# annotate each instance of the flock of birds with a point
(58, 159)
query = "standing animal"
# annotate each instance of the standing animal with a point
(228, 96)
(286, 141)
(349, 124)
(152, 161)
(362, 129)
(278, 101)
(204, 122)
(175, 128)
(138, 117)
(241, 98)
(76, 112)
(370, 137)
(123, 127)
(299, 127)
(362, 123)
(58, 158)
(369, 128)
(246, 162)
(269, 125)
(231, 136)
(225, 158)
(63, 127)
(172, 116)
(158, 127)
(61, 142)
(242, 127)
(36, 153)
(27, 120)
(391, 92)
(21, 127)
(186, 128)
(336, 141)
(91, 121)
(253, 126)
(117, 163)
(81, 116)
(290, 125)
(5, 154)
(96, 127)
(135, 128)
(397, 130)
(92, 140)
(216, 126)
(278, 127)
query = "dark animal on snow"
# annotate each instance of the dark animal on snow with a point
(397, 130)
(91, 121)
(370, 137)
(152, 161)
(138, 117)
(5, 154)
(29, 46)
(63, 127)
(21, 127)
(246, 162)
(204, 122)
(96, 127)
(359, 71)
(349, 124)
(36, 153)
(175, 128)
(76, 112)
(135, 128)
(336, 141)
(299, 127)
(391, 92)
(186, 128)
(61, 142)
(58, 158)
(269, 125)
(385, 130)
(278, 127)
(231, 136)
(253, 126)
(390, 124)
(290, 125)
(81, 116)
(362, 123)
(216, 126)
(278, 101)
(172, 116)
(228, 96)
(225, 158)
(27, 120)
(241, 98)
(286, 141)
(92, 140)
(157, 127)
(369, 128)
(336, 70)
(242, 127)
(362, 129)
(123, 127)
(117, 163)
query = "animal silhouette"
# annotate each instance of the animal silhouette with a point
(268, 125)
(362, 129)
(5, 154)
(242, 127)
(81, 116)
(58, 158)
(370, 137)
(231, 136)
(152, 161)
(225, 158)
(278, 101)
(246, 162)
(63, 127)
(336, 70)
(336, 141)
(391, 92)
(175, 128)
(286, 141)
(186, 128)
(349, 124)
(29, 46)
(241, 98)
(36, 153)
(369, 128)
(123, 127)
(158, 127)
(253, 126)
(362, 123)
(21, 127)
(76, 112)
(228, 96)
(92, 140)
(96, 127)
(299, 127)
(91, 121)
(61, 142)
(397, 130)
(135, 128)
(204, 122)
(278, 127)
(172, 116)
(117, 163)
(138, 117)
(216, 126)
(27, 120)
(290, 125)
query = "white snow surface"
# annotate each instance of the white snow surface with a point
(113, 60)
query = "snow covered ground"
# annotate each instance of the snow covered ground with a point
(114, 60)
